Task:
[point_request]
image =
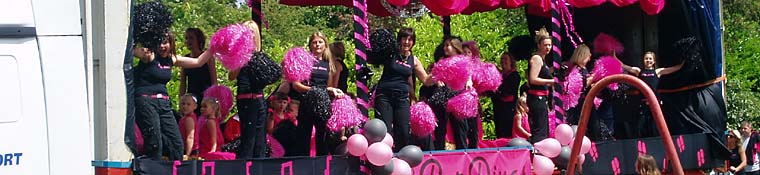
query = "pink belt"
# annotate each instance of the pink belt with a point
(157, 96)
(508, 98)
(538, 92)
(249, 96)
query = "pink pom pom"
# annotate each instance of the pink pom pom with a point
(223, 94)
(606, 66)
(605, 44)
(277, 149)
(597, 102)
(486, 77)
(297, 64)
(454, 71)
(233, 46)
(464, 105)
(553, 122)
(423, 119)
(573, 88)
(345, 114)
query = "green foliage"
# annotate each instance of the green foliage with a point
(742, 48)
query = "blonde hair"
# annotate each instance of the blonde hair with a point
(738, 136)
(654, 57)
(646, 165)
(255, 30)
(326, 54)
(214, 104)
(542, 34)
(579, 54)
(522, 105)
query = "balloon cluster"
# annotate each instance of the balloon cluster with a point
(554, 151)
(375, 143)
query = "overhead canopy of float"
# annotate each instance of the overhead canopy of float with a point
(453, 7)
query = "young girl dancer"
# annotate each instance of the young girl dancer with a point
(187, 125)
(211, 139)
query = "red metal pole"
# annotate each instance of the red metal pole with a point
(654, 106)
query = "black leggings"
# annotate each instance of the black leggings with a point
(159, 128)
(253, 117)
(472, 132)
(307, 119)
(440, 131)
(539, 117)
(504, 115)
(393, 108)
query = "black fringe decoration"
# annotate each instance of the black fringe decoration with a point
(384, 47)
(441, 96)
(521, 47)
(263, 69)
(317, 101)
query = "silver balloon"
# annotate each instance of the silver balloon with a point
(411, 154)
(518, 142)
(374, 130)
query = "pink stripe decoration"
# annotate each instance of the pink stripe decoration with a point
(556, 22)
(208, 164)
(556, 35)
(361, 38)
(362, 55)
(361, 6)
(361, 86)
(559, 109)
(556, 65)
(362, 102)
(327, 164)
(556, 49)
(248, 165)
(286, 165)
(174, 166)
(357, 67)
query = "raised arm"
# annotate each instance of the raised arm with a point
(187, 62)
(668, 70)
(535, 67)
(419, 71)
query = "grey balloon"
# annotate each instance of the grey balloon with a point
(563, 158)
(374, 130)
(386, 169)
(518, 142)
(412, 154)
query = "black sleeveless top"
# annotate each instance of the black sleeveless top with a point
(343, 77)
(246, 83)
(649, 76)
(735, 158)
(320, 72)
(396, 75)
(198, 79)
(151, 78)
(510, 83)
(544, 73)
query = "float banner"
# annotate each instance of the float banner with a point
(488, 161)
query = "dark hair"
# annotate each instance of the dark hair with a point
(406, 32)
(338, 50)
(201, 38)
(279, 96)
(172, 45)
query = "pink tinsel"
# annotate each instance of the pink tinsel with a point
(573, 88)
(486, 77)
(277, 149)
(233, 46)
(423, 120)
(606, 66)
(605, 44)
(553, 122)
(297, 63)
(345, 114)
(464, 105)
(223, 94)
(453, 71)
(597, 102)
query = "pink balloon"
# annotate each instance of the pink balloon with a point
(542, 165)
(379, 154)
(388, 140)
(585, 146)
(581, 159)
(357, 145)
(548, 147)
(564, 134)
(401, 167)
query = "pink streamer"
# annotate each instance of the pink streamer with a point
(573, 88)
(605, 44)
(233, 46)
(606, 66)
(297, 64)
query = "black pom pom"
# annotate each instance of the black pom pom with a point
(441, 96)
(152, 21)
(521, 47)
(317, 101)
(384, 47)
(263, 69)
(689, 50)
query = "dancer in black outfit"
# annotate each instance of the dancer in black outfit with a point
(339, 54)
(539, 82)
(197, 80)
(503, 100)
(394, 90)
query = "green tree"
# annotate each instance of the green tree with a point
(742, 50)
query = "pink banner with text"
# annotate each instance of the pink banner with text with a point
(511, 161)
